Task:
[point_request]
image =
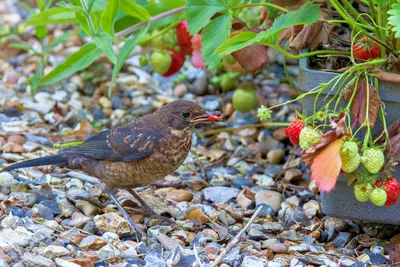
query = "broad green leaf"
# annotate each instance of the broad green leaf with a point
(108, 17)
(24, 47)
(98, 5)
(124, 53)
(309, 13)
(214, 34)
(79, 60)
(104, 41)
(132, 9)
(55, 15)
(237, 42)
(59, 40)
(199, 12)
(40, 4)
(394, 19)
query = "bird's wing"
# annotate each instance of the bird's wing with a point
(128, 143)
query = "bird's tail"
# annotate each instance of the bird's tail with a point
(49, 160)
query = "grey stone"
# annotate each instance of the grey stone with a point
(253, 261)
(220, 193)
(32, 260)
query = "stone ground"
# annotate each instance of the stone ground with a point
(226, 178)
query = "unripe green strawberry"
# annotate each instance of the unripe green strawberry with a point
(143, 60)
(350, 163)
(244, 99)
(378, 197)
(373, 160)
(348, 148)
(228, 81)
(309, 137)
(362, 192)
(160, 61)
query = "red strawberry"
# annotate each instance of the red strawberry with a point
(293, 131)
(184, 38)
(178, 58)
(366, 48)
(392, 190)
(196, 42)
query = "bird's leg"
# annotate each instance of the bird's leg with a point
(148, 209)
(131, 223)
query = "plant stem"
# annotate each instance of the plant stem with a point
(342, 11)
(263, 4)
(152, 19)
(69, 144)
(232, 129)
(313, 53)
(88, 18)
(169, 27)
(355, 12)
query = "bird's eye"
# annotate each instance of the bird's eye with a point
(185, 114)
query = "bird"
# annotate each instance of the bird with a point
(135, 154)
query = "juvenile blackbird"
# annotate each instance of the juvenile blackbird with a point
(136, 154)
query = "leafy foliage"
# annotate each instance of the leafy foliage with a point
(394, 19)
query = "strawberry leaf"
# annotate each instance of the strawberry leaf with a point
(199, 13)
(252, 58)
(215, 33)
(307, 14)
(394, 19)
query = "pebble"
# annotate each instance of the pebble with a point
(269, 197)
(78, 220)
(179, 195)
(32, 260)
(200, 84)
(293, 175)
(52, 251)
(108, 251)
(341, 239)
(105, 102)
(263, 180)
(180, 90)
(92, 243)
(12, 148)
(5, 178)
(112, 222)
(87, 208)
(63, 263)
(220, 194)
(338, 225)
(18, 139)
(275, 156)
(253, 261)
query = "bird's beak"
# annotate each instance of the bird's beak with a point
(208, 117)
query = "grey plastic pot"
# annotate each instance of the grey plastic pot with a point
(341, 202)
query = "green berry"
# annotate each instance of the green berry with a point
(349, 148)
(378, 197)
(228, 81)
(362, 192)
(160, 61)
(244, 100)
(373, 160)
(309, 137)
(350, 163)
(143, 60)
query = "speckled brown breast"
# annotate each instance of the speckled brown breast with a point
(166, 159)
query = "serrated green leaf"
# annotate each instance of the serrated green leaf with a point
(199, 13)
(214, 34)
(55, 15)
(24, 47)
(309, 13)
(108, 17)
(79, 60)
(134, 10)
(104, 41)
(237, 42)
(124, 53)
(394, 19)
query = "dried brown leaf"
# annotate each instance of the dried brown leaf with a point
(290, 4)
(394, 148)
(359, 104)
(394, 256)
(387, 76)
(252, 58)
